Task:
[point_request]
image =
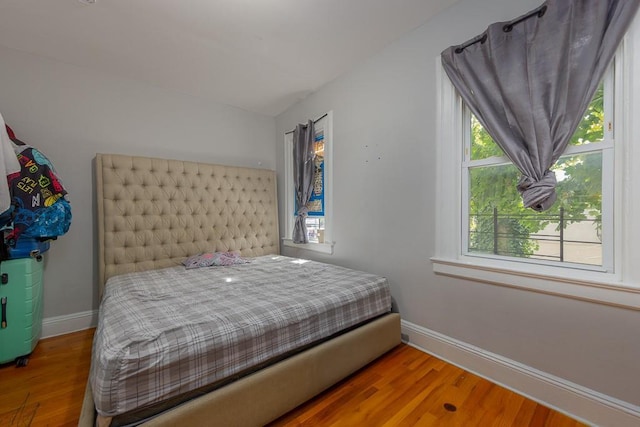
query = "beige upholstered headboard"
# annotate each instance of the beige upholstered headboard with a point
(152, 213)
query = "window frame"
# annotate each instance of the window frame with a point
(605, 147)
(620, 286)
(326, 124)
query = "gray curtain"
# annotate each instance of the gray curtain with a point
(529, 81)
(303, 158)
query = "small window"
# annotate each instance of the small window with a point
(319, 217)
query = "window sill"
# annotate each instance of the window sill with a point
(605, 292)
(325, 248)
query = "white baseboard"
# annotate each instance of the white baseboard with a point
(58, 325)
(586, 405)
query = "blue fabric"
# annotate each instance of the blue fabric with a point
(52, 221)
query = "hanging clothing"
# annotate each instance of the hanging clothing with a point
(41, 209)
(9, 167)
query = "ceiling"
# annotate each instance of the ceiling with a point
(258, 55)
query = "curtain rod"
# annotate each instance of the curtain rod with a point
(507, 28)
(315, 121)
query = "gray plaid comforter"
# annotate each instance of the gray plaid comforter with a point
(163, 333)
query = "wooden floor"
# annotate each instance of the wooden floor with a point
(49, 390)
(406, 387)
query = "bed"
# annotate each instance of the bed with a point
(151, 215)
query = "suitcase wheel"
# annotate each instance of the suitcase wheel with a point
(22, 361)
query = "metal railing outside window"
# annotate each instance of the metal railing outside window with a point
(536, 236)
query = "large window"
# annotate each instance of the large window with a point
(319, 218)
(585, 247)
(575, 230)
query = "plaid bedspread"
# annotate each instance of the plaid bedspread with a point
(163, 333)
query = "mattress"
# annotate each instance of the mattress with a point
(164, 333)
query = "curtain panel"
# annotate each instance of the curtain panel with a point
(303, 173)
(530, 81)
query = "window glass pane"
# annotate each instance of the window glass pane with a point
(315, 229)
(591, 128)
(482, 145)
(569, 232)
(497, 222)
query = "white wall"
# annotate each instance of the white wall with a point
(384, 217)
(71, 113)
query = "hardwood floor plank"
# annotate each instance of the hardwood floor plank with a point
(527, 409)
(49, 390)
(405, 387)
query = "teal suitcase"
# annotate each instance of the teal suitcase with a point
(21, 304)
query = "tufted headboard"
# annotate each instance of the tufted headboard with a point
(152, 213)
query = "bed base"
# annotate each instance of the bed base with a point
(263, 396)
